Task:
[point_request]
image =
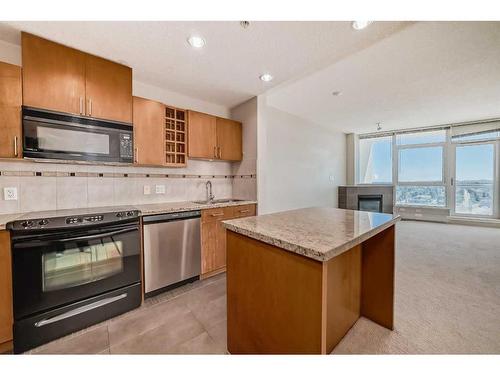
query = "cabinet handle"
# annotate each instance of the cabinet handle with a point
(136, 155)
(16, 153)
(215, 152)
(81, 106)
(90, 107)
(218, 214)
(220, 153)
(244, 211)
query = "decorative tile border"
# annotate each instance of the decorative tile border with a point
(117, 175)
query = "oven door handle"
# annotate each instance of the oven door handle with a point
(100, 235)
(80, 310)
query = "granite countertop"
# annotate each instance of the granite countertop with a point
(146, 209)
(161, 208)
(320, 233)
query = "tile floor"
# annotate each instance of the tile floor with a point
(188, 320)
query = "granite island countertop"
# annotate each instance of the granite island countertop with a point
(320, 233)
(146, 209)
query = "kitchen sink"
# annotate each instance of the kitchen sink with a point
(216, 201)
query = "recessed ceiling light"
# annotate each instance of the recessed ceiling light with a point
(337, 93)
(266, 77)
(360, 25)
(244, 24)
(196, 41)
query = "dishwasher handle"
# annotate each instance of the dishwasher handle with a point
(152, 219)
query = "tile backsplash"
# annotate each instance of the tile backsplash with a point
(49, 186)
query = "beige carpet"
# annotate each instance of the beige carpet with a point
(447, 294)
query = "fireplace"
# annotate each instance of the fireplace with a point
(371, 203)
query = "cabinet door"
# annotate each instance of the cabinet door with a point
(220, 245)
(108, 89)
(53, 75)
(5, 288)
(201, 135)
(208, 246)
(213, 238)
(149, 132)
(229, 139)
(10, 111)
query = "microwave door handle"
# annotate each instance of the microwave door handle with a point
(100, 235)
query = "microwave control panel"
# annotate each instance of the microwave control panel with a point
(126, 145)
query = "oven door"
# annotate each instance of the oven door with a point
(52, 270)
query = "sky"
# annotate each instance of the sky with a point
(424, 164)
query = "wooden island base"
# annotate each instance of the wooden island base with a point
(279, 302)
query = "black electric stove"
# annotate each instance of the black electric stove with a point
(72, 271)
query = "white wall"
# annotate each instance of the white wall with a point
(296, 161)
(245, 186)
(10, 53)
(177, 100)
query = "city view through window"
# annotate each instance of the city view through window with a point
(420, 173)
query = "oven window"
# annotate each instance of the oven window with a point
(81, 265)
(72, 141)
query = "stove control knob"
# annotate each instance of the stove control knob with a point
(43, 222)
(120, 214)
(130, 213)
(27, 224)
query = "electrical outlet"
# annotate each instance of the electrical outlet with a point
(147, 189)
(160, 189)
(332, 178)
(10, 193)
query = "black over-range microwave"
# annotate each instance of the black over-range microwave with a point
(55, 135)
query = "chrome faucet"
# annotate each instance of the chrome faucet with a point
(208, 187)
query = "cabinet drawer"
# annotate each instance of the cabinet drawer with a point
(214, 214)
(243, 211)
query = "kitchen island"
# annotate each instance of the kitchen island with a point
(298, 280)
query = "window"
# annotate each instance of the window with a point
(433, 196)
(375, 160)
(475, 176)
(457, 167)
(420, 164)
(420, 178)
(422, 137)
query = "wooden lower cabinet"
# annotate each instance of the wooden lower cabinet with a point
(6, 315)
(213, 236)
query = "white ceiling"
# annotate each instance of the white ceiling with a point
(429, 73)
(226, 71)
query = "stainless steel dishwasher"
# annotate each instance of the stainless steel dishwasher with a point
(172, 250)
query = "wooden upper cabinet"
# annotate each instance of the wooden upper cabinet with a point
(229, 139)
(213, 137)
(108, 89)
(63, 79)
(10, 111)
(202, 135)
(53, 75)
(149, 132)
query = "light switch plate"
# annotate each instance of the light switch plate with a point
(160, 189)
(10, 193)
(147, 189)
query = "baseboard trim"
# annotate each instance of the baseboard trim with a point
(212, 273)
